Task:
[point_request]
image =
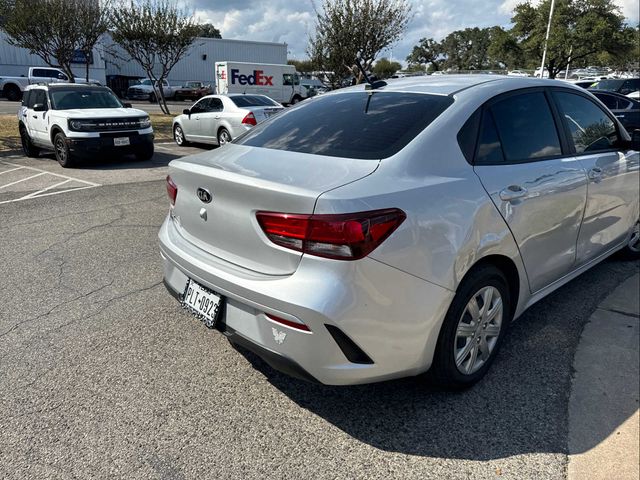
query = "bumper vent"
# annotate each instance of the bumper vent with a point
(352, 351)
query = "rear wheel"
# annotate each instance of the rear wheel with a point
(473, 329)
(632, 250)
(296, 99)
(178, 136)
(224, 137)
(63, 155)
(27, 145)
(152, 98)
(145, 153)
(12, 93)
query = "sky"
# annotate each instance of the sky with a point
(291, 21)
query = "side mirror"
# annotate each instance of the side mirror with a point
(62, 76)
(39, 107)
(186, 111)
(127, 105)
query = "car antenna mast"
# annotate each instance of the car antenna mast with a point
(370, 85)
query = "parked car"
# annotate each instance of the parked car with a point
(518, 73)
(192, 91)
(372, 233)
(314, 86)
(13, 87)
(218, 119)
(625, 86)
(80, 121)
(626, 110)
(145, 91)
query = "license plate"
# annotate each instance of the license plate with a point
(121, 141)
(202, 302)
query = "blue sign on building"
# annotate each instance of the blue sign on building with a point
(79, 57)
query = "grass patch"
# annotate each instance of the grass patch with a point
(10, 139)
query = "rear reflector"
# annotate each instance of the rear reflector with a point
(288, 323)
(250, 119)
(348, 236)
(172, 190)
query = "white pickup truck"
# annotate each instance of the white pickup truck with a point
(144, 91)
(13, 87)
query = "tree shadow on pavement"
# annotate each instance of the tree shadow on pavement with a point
(520, 407)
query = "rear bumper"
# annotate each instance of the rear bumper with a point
(392, 317)
(105, 144)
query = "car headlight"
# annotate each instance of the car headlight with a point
(145, 122)
(77, 125)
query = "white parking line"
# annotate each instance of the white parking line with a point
(45, 192)
(11, 170)
(23, 179)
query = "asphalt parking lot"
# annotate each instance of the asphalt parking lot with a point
(102, 373)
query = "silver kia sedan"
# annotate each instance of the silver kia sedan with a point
(374, 233)
(218, 119)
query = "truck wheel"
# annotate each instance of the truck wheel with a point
(27, 145)
(12, 93)
(145, 152)
(152, 98)
(63, 155)
(296, 99)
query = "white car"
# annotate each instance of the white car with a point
(518, 73)
(78, 121)
(218, 119)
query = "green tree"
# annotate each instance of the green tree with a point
(156, 34)
(207, 30)
(467, 49)
(427, 52)
(580, 29)
(504, 49)
(346, 29)
(48, 29)
(385, 68)
(93, 22)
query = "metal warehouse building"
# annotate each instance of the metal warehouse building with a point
(112, 66)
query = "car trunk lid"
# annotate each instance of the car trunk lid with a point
(243, 180)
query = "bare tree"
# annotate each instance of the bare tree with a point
(156, 34)
(44, 27)
(348, 28)
(93, 22)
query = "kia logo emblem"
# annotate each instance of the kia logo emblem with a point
(204, 195)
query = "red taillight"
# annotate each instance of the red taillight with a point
(172, 190)
(288, 323)
(250, 119)
(343, 237)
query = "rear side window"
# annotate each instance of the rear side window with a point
(358, 125)
(590, 127)
(215, 105)
(609, 100)
(489, 147)
(630, 86)
(526, 127)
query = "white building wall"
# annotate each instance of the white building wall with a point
(16, 61)
(195, 66)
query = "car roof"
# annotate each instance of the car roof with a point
(450, 84)
(65, 86)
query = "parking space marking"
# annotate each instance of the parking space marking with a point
(44, 192)
(11, 169)
(22, 180)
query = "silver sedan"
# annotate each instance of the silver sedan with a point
(372, 233)
(218, 119)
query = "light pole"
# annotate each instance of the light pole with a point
(546, 40)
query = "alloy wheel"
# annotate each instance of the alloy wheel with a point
(178, 135)
(634, 241)
(478, 330)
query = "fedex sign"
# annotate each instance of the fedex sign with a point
(257, 78)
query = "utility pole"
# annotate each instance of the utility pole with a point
(546, 40)
(566, 74)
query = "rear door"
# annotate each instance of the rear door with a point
(210, 119)
(540, 192)
(612, 198)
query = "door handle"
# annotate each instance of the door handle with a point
(620, 116)
(513, 192)
(217, 117)
(595, 173)
(35, 116)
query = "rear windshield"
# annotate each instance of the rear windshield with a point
(358, 125)
(612, 85)
(253, 101)
(67, 99)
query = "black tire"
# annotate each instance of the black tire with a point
(152, 98)
(145, 153)
(12, 93)
(296, 99)
(444, 370)
(632, 250)
(178, 136)
(29, 149)
(224, 136)
(61, 148)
